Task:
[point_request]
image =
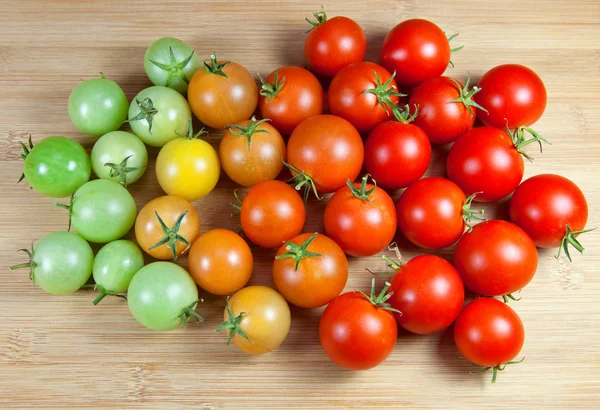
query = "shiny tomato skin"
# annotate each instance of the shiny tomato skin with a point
(513, 93)
(356, 334)
(429, 292)
(496, 258)
(485, 160)
(489, 333)
(544, 205)
(417, 50)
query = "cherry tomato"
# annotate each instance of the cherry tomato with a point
(333, 44)
(289, 95)
(119, 156)
(310, 270)
(222, 93)
(496, 258)
(220, 261)
(552, 210)
(361, 218)
(172, 63)
(166, 227)
(272, 212)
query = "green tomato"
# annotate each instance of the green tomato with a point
(159, 114)
(60, 263)
(119, 156)
(55, 166)
(98, 106)
(172, 63)
(114, 267)
(162, 296)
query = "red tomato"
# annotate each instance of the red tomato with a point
(289, 95)
(513, 93)
(361, 218)
(333, 44)
(489, 333)
(356, 332)
(496, 258)
(429, 293)
(432, 213)
(552, 210)
(363, 93)
(324, 150)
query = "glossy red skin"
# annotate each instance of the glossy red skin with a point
(429, 292)
(328, 149)
(333, 45)
(300, 97)
(511, 92)
(430, 213)
(544, 205)
(361, 228)
(355, 334)
(417, 50)
(488, 333)
(496, 258)
(485, 160)
(396, 154)
(442, 120)
(347, 99)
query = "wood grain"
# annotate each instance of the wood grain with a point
(61, 352)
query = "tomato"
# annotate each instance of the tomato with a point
(357, 331)
(251, 152)
(445, 108)
(158, 115)
(333, 44)
(310, 270)
(397, 153)
(428, 291)
(496, 258)
(101, 211)
(166, 227)
(97, 106)
(288, 96)
(163, 296)
(513, 95)
(220, 262)
(272, 212)
(60, 263)
(361, 218)
(222, 93)
(489, 333)
(323, 152)
(171, 62)
(188, 167)
(257, 319)
(552, 210)
(363, 93)
(432, 213)
(55, 166)
(120, 156)
(114, 267)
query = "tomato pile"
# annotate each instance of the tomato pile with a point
(347, 127)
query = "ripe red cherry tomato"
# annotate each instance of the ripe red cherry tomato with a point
(361, 218)
(552, 210)
(432, 213)
(496, 258)
(489, 333)
(333, 44)
(429, 293)
(513, 93)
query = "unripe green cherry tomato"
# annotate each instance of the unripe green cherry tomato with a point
(119, 156)
(172, 63)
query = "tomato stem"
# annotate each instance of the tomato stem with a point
(381, 299)
(172, 235)
(190, 311)
(174, 67)
(26, 151)
(271, 90)
(455, 49)
(468, 214)
(212, 66)
(404, 116)
(384, 92)
(302, 180)
(570, 238)
(147, 112)
(121, 170)
(68, 208)
(466, 95)
(102, 292)
(320, 18)
(190, 134)
(30, 264)
(249, 130)
(238, 205)
(362, 192)
(509, 296)
(299, 252)
(496, 369)
(232, 324)
(520, 140)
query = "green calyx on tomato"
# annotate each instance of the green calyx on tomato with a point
(384, 91)
(362, 192)
(455, 49)
(320, 18)
(190, 135)
(102, 292)
(121, 170)
(404, 116)
(520, 140)
(466, 95)
(249, 130)
(500, 368)
(299, 252)
(174, 68)
(271, 90)
(190, 311)
(147, 112)
(212, 66)
(68, 208)
(302, 180)
(468, 214)
(31, 264)
(570, 238)
(26, 150)
(232, 324)
(172, 235)
(380, 300)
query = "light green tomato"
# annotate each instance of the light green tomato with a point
(119, 156)
(158, 115)
(162, 296)
(114, 267)
(172, 63)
